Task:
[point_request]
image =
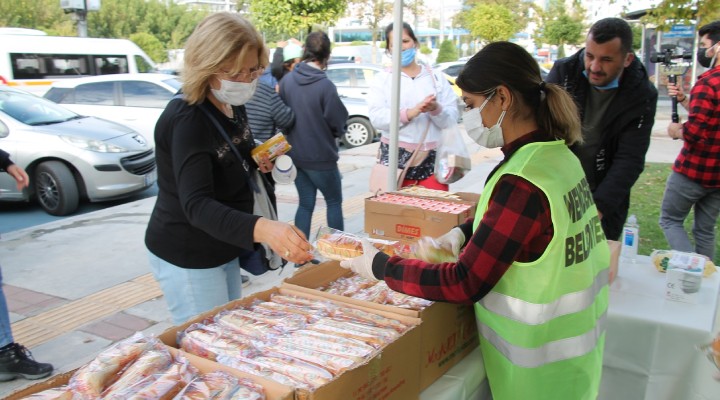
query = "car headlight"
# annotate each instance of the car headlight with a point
(94, 145)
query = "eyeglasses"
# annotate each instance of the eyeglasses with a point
(253, 74)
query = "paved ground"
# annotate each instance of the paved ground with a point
(77, 285)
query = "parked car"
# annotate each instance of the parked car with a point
(353, 80)
(359, 130)
(451, 68)
(134, 100)
(69, 157)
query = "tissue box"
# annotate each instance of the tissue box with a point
(683, 285)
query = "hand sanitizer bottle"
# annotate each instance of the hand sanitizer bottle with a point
(630, 239)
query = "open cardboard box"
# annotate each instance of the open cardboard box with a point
(385, 376)
(273, 390)
(448, 331)
(406, 222)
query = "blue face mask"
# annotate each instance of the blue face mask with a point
(612, 85)
(407, 56)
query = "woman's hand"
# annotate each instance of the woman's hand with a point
(20, 176)
(428, 104)
(265, 165)
(675, 130)
(286, 240)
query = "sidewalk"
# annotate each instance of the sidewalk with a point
(77, 285)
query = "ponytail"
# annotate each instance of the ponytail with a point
(557, 114)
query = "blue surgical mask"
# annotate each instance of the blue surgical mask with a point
(407, 56)
(612, 85)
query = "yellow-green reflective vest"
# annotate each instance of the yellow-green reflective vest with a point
(542, 326)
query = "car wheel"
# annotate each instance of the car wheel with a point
(359, 132)
(56, 189)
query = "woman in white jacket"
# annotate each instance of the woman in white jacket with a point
(427, 102)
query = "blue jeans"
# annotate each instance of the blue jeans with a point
(308, 182)
(6, 336)
(681, 195)
(189, 292)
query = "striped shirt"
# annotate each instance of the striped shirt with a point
(267, 113)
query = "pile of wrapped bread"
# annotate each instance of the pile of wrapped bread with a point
(292, 340)
(443, 205)
(333, 244)
(360, 288)
(664, 259)
(141, 367)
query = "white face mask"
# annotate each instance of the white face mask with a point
(235, 93)
(487, 137)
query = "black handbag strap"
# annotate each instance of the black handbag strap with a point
(219, 127)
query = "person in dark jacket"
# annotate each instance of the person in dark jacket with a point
(320, 118)
(617, 105)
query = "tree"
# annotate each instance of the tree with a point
(491, 23)
(671, 12)
(292, 16)
(560, 28)
(520, 10)
(372, 12)
(150, 45)
(447, 52)
(45, 15)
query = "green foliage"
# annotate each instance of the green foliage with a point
(150, 45)
(520, 11)
(491, 22)
(424, 49)
(645, 201)
(558, 27)
(447, 52)
(292, 16)
(670, 12)
(358, 43)
(45, 15)
(637, 36)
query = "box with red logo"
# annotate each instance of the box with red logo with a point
(409, 217)
(448, 332)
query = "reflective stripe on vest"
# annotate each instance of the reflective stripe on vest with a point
(536, 314)
(558, 350)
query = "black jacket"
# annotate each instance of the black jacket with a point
(628, 124)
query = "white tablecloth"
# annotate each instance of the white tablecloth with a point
(464, 381)
(650, 348)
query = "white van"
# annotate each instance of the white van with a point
(33, 62)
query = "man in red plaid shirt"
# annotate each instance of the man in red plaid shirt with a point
(695, 179)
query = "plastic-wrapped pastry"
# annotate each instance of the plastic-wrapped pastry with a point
(151, 362)
(310, 314)
(209, 341)
(90, 380)
(338, 245)
(220, 385)
(332, 362)
(331, 344)
(58, 393)
(285, 370)
(373, 336)
(163, 385)
(240, 320)
(368, 318)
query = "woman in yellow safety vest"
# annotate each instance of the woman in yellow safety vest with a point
(534, 260)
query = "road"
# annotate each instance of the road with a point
(15, 216)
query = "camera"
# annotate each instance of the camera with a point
(666, 55)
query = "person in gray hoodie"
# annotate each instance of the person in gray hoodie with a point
(320, 119)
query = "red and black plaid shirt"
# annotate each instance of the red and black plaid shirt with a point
(699, 158)
(516, 227)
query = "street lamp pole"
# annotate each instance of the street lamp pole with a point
(82, 20)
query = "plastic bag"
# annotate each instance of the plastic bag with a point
(452, 159)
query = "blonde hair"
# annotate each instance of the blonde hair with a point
(219, 38)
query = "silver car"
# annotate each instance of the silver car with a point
(69, 157)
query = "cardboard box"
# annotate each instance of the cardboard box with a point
(448, 331)
(386, 376)
(273, 390)
(683, 285)
(409, 223)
